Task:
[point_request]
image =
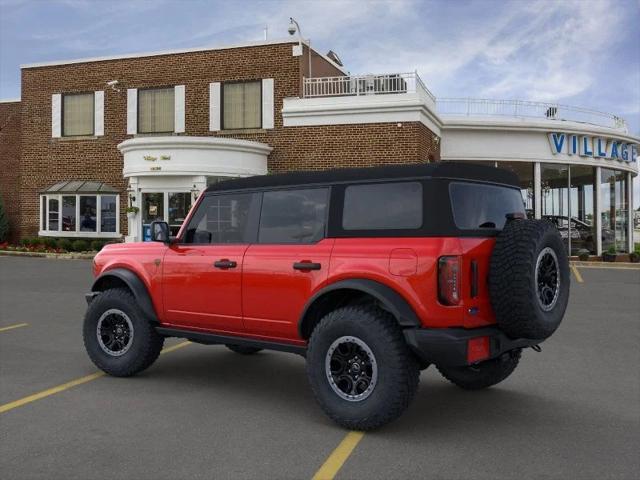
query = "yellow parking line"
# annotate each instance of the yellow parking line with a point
(577, 274)
(334, 463)
(65, 386)
(11, 327)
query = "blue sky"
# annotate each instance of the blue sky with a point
(577, 52)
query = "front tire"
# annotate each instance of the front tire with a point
(484, 374)
(361, 371)
(119, 339)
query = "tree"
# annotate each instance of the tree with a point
(4, 223)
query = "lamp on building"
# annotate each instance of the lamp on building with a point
(293, 28)
(195, 192)
(132, 197)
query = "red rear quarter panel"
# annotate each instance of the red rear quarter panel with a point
(140, 258)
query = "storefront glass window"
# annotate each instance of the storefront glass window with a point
(54, 212)
(88, 213)
(555, 197)
(615, 211)
(179, 205)
(524, 170)
(69, 213)
(108, 218)
(581, 205)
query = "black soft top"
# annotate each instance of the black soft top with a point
(452, 170)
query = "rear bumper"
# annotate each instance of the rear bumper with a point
(448, 346)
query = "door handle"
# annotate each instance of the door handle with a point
(306, 266)
(224, 264)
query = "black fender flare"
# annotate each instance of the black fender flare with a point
(389, 298)
(135, 284)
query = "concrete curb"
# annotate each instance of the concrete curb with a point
(61, 256)
(611, 265)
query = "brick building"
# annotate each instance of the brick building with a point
(92, 138)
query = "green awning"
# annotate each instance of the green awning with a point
(80, 186)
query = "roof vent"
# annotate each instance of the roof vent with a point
(334, 57)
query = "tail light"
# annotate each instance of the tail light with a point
(449, 280)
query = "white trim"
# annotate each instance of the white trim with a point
(98, 113)
(214, 107)
(179, 102)
(157, 53)
(132, 111)
(10, 100)
(47, 233)
(56, 115)
(268, 119)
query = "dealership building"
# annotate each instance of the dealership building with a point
(101, 147)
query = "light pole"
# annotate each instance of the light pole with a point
(293, 28)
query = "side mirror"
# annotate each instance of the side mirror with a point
(160, 232)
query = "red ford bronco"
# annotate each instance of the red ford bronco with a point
(372, 274)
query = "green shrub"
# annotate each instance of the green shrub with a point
(612, 250)
(583, 254)
(97, 245)
(26, 242)
(4, 223)
(80, 246)
(65, 244)
(49, 242)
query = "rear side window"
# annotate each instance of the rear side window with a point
(223, 219)
(293, 216)
(476, 206)
(383, 206)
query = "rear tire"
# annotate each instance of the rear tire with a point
(484, 374)
(361, 371)
(243, 350)
(119, 339)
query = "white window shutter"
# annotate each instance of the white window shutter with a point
(214, 106)
(56, 115)
(267, 103)
(178, 122)
(98, 112)
(132, 111)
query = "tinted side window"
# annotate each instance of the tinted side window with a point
(477, 206)
(383, 206)
(222, 219)
(293, 216)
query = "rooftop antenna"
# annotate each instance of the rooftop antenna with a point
(266, 32)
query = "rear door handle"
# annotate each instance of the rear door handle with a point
(306, 266)
(224, 264)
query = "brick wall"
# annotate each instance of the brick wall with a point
(10, 162)
(46, 161)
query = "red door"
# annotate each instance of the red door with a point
(202, 286)
(277, 282)
(288, 263)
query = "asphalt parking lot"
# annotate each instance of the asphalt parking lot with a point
(572, 411)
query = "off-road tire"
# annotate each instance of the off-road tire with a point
(398, 369)
(146, 344)
(512, 279)
(484, 374)
(242, 349)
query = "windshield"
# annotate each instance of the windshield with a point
(478, 206)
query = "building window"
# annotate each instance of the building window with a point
(581, 206)
(79, 215)
(555, 197)
(614, 210)
(156, 110)
(242, 105)
(524, 170)
(78, 114)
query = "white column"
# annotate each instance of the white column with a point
(133, 224)
(630, 212)
(598, 211)
(537, 190)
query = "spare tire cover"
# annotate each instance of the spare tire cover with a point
(529, 279)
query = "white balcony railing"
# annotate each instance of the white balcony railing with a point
(522, 108)
(355, 85)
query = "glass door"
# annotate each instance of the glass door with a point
(152, 210)
(179, 206)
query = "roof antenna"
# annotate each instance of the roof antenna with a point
(266, 32)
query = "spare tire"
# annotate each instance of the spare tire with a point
(529, 279)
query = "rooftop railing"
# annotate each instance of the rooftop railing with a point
(356, 85)
(477, 107)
